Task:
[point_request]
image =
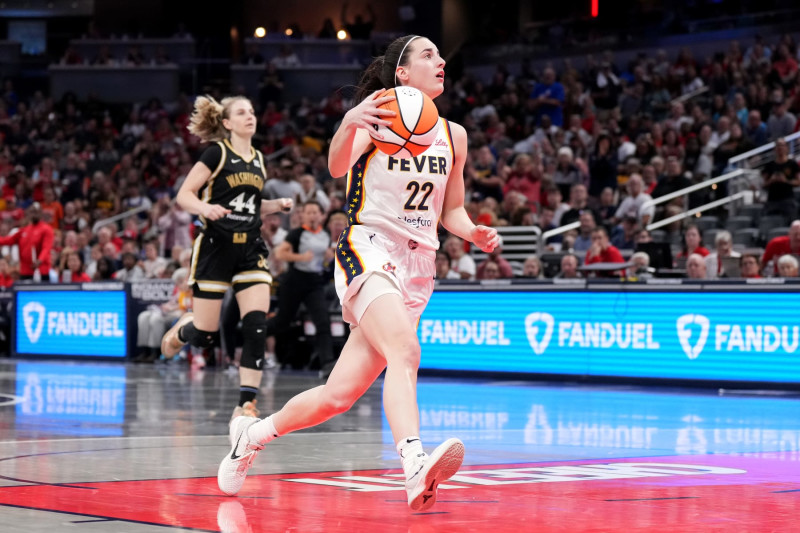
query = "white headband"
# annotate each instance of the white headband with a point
(401, 57)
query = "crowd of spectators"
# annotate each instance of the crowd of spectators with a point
(545, 148)
(133, 57)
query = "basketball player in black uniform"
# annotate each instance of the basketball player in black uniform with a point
(224, 189)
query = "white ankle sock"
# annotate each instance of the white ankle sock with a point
(263, 431)
(411, 452)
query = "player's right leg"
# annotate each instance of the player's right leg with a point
(357, 368)
(355, 371)
(388, 328)
(199, 328)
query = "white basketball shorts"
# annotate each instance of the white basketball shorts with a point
(363, 252)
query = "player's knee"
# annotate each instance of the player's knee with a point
(406, 354)
(336, 402)
(254, 333)
(198, 337)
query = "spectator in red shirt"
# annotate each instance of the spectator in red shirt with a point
(52, 210)
(692, 243)
(6, 278)
(784, 67)
(526, 177)
(787, 244)
(491, 270)
(76, 270)
(602, 251)
(504, 268)
(749, 266)
(35, 242)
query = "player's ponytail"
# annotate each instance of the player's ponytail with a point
(380, 74)
(206, 120)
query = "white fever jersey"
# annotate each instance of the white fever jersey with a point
(402, 197)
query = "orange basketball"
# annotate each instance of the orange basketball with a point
(414, 127)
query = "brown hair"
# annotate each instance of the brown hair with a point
(206, 120)
(380, 73)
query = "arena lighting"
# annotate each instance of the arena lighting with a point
(260, 32)
(288, 32)
(595, 8)
(341, 35)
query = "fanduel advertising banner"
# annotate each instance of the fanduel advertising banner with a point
(743, 336)
(83, 323)
(70, 399)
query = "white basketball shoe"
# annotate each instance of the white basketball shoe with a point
(233, 468)
(171, 344)
(439, 466)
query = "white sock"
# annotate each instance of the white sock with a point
(263, 431)
(410, 450)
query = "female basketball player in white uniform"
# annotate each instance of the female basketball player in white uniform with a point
(384, 275)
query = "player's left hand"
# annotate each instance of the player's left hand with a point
(485, 238)
(286, 204)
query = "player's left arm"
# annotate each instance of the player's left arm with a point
(454, 217)
(277, 205)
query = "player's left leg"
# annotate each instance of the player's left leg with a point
(253, 305)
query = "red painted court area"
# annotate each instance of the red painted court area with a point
(687, 493)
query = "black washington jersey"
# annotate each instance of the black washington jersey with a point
(235, 183)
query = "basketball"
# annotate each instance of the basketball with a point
(414, 127)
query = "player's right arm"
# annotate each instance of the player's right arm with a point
(352, 138)
(9, 240)
(187, 195)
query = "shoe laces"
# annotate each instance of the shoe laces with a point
(250, 452)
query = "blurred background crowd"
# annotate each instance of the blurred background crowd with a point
(549, 144)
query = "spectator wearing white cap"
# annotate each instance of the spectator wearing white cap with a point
(567, 172)
(696, 267)
(723, 244)
(788, 266)
(632, 205)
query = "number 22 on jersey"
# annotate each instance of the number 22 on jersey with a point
(419, 195)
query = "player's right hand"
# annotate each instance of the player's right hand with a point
(367, 114)
(214, 212)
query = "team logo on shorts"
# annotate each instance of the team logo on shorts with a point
(390, 268)
(262, 262)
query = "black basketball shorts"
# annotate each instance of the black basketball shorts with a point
(222, 260)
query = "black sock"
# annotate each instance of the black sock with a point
(247, 394)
